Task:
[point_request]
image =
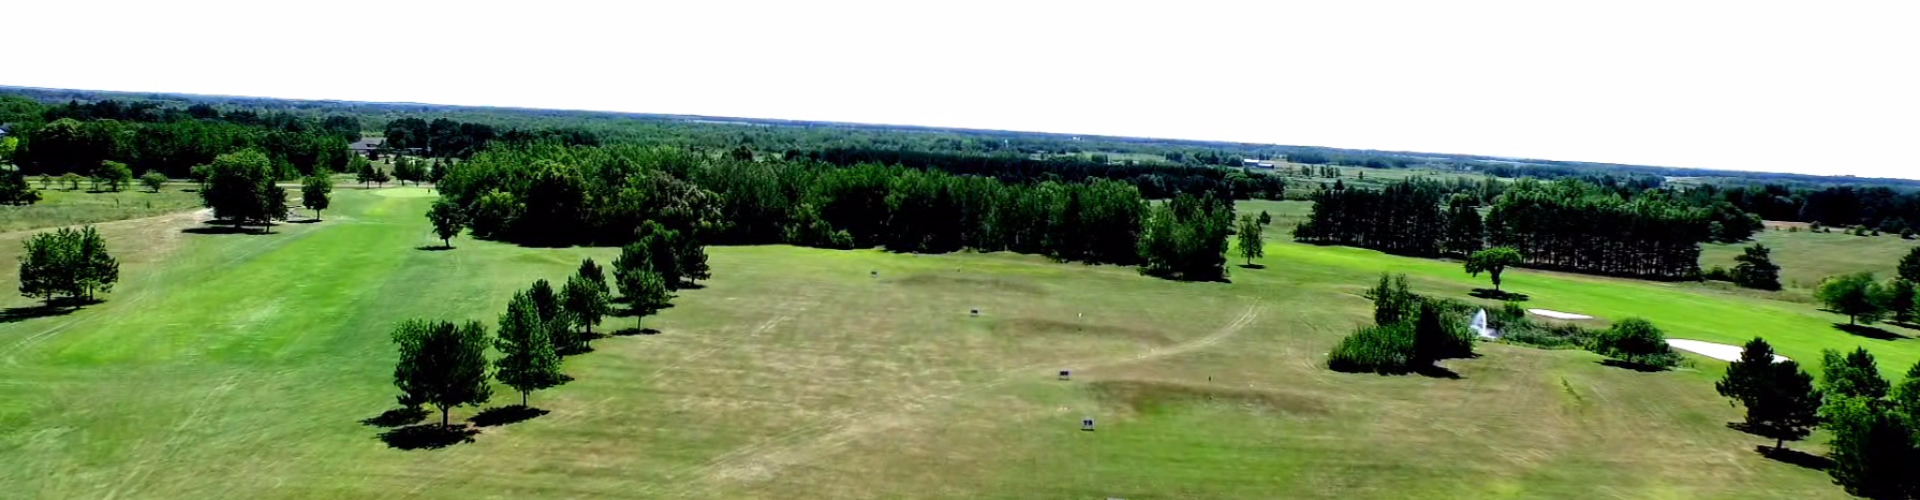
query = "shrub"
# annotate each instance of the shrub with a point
(1379, 349)
(1635, 341)
(1716, 273)
(1554, 336)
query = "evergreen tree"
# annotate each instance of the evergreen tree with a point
(1756, 269)
(1465, 232)
(1909, 268)
(1854, 374)
(1779, 397)
(528, 361)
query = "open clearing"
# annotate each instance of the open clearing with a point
(241, 366)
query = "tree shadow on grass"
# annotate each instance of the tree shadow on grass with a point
(17, 314)
(1253, 266)
(1500, 295)
(504, 415)
(1437, 371)
(397, 417)
(629, 332)
(219, 228)
(433, 248)
(427, 436)
(1795, 457)
(1638, 367)
(303, 221)
(1872, 332)
(1904, 324)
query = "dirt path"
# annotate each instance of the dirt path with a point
(768, 458)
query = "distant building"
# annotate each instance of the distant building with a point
(1252, 163)
(370, 148)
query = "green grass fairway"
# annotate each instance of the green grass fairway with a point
(59, 207)
(241, 366)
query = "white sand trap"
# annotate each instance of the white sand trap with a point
(1718, 351)
(1557, 314)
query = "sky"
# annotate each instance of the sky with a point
(1809, 87)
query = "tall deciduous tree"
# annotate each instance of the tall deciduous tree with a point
(1492, 261)
(1855, 295)
(586, 302)
(441, 365)
(1252, 245)
(67, 261)
(240, 188)
(528, 361)
(644, 291)
(316, 192)
(447, 220)
(1779, 397)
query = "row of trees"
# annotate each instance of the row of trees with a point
(1403, 218)
(1575, 226)
(547, 194)
(1154, 181)
(445, 366)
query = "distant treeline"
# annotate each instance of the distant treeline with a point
(549, 194)
(770, 135)
(78, 137)
(1153, 181)
(1878, 208)
(1567, 224)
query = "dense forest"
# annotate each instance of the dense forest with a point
(1567, 224)
(551, 194)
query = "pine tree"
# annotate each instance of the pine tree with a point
(1779, 397)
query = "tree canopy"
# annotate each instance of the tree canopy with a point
(67, 261)
(1492, 261)
(240, 188)
(1855, 295)
(441, 365)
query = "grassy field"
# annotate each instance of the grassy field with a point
(1805, 257)
(59, 207)
(242, 366)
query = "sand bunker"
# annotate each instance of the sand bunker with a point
(1557, 314)
(1721, 352)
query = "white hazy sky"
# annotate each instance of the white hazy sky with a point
(1815, 87)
